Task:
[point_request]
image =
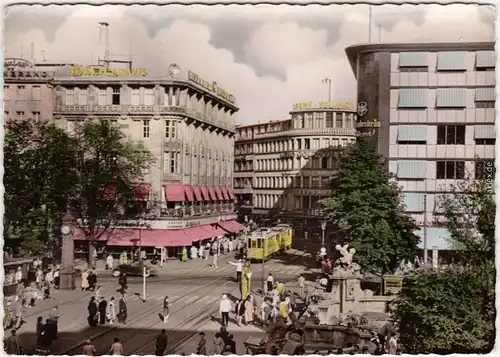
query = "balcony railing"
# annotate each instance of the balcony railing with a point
(198, 210)
(309, 131)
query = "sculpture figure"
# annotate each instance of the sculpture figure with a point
(346, 258)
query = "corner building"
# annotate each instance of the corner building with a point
(283, 168)
(436, 106)
(189, 129)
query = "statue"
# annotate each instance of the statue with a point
(346, 258)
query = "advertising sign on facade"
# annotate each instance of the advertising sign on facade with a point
(101, 71)
(324, 105)
(211, 86)
(18, 68)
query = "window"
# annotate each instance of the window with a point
(103, 97)
(135, 97)
(20, 92)
(172, 162)
(82, 96)
(148, 97)
(113, 122)
(329, 120)
(167, 129)
(324, 162)
(339, 120)
(315, 181)
(20, 115)
(145, 129)
(5, 114)
(115, 100)
(36, 93)
(485, 141)
(451, 135)
(483, 105)
(450, 170)
(305, 182)
(485, 170)
(36, 116)
(414, 69)
(307, 144)
(70, 97)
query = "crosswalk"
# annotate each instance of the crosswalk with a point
(274, 269)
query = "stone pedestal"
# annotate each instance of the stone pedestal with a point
(67, 274)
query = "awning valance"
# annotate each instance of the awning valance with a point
(174, 192)
(230, 193)
(204, 191)
(197, 193)
(218, 192)
(213, 195)
(231, 226)
(224, 193)
(188, 190)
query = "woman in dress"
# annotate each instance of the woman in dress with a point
(85, 281)
(111, 313)
(249, 311)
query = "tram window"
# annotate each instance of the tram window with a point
(259, 243)
(249, 242)
(254, 243)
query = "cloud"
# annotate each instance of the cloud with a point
(269, 57)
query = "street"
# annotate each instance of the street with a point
(194, 294)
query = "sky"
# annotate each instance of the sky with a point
(269, 57)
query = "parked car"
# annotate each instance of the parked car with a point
(134, 269)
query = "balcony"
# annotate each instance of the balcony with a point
(198, 211)
(287, 155)
(309, 132)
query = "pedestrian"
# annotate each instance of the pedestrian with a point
(45, 340)
(92, 279)
(224, 308)
(239, 310)
(89, 349)
(103, 304)
(18, 312)
(49, 277)
(122, 281)
(92, 310)
(301, 282)
(231, 344)
(85, 281)
(39, 326)
(202, 345)
(249, 311)
(39, 278)
(19, 275)
(57, 279)
(166, 309)
(12, 344)
(97, 293)
(194, 252)
(214, 260)
(218, 345)
(116, 348)
(392, 344)
(270, 283)
(122, 306)
(264, 311)
(239, 269)
(184, 255)
(54, 320)
(111, 312)
(161, 343)
(109, 262)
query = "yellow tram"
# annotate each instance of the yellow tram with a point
(266, 242)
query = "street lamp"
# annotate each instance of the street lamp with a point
(323, 227)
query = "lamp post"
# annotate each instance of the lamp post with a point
(67, 281)
(323, 227)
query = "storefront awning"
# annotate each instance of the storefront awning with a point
(230, 193)
(213, 196)
(224, 193)
(141, 192)
(188, 190)
(197, 193)
(174, 192)
(135, 237)
(204, 191)
(231, 226)
(218, 192)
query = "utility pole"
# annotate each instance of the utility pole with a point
(425, 229)
(105, 26)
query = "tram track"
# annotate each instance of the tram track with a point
(103, 338)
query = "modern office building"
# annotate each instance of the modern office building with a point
(436, 106)
(187, 123)
(27, 90)
(282, 168)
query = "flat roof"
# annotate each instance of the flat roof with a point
(355, 50)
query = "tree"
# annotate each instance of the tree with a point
(453, 310)
(37, 183)
(366, 209)
(108, 166)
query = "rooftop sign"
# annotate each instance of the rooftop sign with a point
(101, 71)
(18, 68)
(324, 105)
(212, 87)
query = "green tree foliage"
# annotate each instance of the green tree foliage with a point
(453, 310)
(37, 183)
(108, 165)
(366, 209)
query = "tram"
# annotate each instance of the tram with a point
(266, 242)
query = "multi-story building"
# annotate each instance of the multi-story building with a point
(436, 106)
(27, 90)
(187, 124)
(283, 168)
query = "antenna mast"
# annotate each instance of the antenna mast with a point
(105, 26)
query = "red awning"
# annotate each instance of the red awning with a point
(202, 232)
(140, 192)
(231, 226)
(213, 196)
(197, 193)
(204, 191)
(218, 191)
(230, 193)
(134, 237)
(224, 193)
(174, 192)
(108, 192)
(188, 190)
